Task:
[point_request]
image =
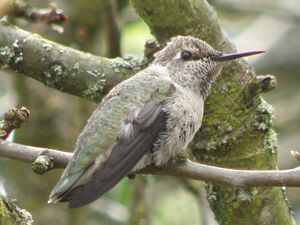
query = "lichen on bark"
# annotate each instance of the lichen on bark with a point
(11, 214)
(60, 67)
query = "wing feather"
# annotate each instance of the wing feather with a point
(124, 156)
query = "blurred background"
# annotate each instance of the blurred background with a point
(112, 28)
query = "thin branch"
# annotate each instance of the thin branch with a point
(52, 15)
(29, 154)
(230, 177)
(189, 169)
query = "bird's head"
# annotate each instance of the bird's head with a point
(194, 63)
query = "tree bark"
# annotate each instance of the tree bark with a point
(60, 67)
(237, 127)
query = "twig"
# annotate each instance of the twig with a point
(52, 15)
(29, 154)
(189, 169)
(13, 119)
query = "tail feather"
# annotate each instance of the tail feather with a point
(69, 185)
(62, 193)
(110, 175)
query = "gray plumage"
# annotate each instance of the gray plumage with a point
(149, 118)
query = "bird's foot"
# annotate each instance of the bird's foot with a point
(131, 176)
(180, 158)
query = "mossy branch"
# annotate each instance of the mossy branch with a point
(57, 66)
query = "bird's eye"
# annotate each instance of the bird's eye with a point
(186, 55)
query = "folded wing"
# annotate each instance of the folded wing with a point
(82, 186)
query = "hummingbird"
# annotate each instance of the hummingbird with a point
(149, 118)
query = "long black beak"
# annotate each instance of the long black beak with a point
(230, 56)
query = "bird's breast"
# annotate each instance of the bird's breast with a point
(189, 116)
(185, 111)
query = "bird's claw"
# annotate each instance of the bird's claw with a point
(131, 176)
(180, 158)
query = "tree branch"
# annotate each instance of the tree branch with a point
(29, 154)
(60, 67)
(189, 169)
(20, 9)
(52, 15)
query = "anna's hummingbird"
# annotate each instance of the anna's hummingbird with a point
(147, 119)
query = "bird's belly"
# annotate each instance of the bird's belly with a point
(185, 120)
(171, 143)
